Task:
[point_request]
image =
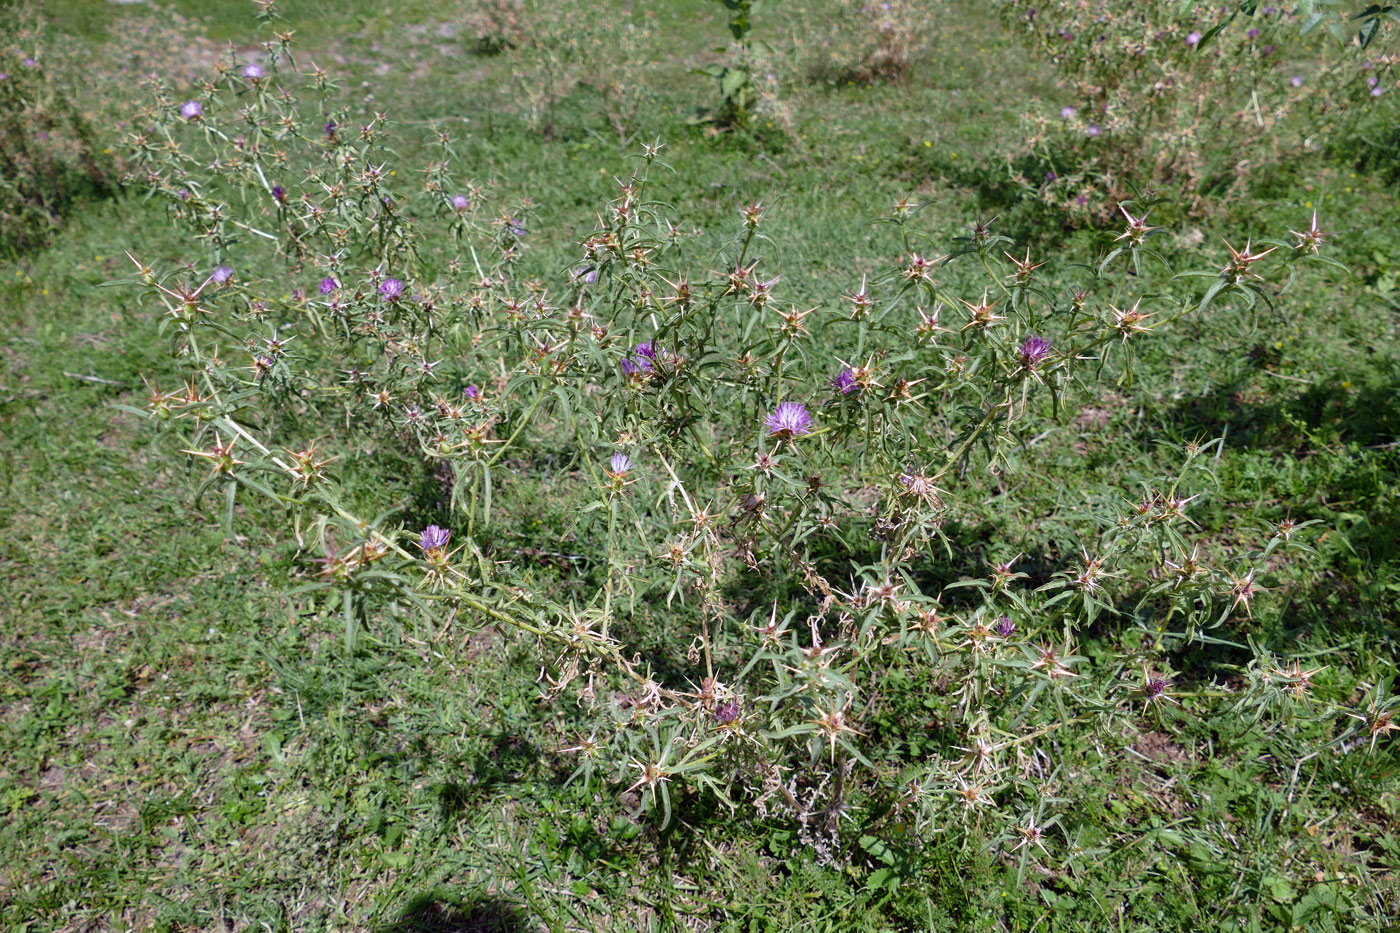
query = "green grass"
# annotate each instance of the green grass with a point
(182, 747)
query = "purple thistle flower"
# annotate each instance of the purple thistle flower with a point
(222, 274)
(1093, 130)
(30, 63)
(327, 285)
(1252, 34)
(1049, 177)
(619, 464)
(631, 367)
(586, 276)
(1082, 200)
(471, 392)
(1193, 38)
(279, 194)
(1035, 349)
(1004, 627)
(1066, 112)
(433, 537)
(1268, 50)
(461, 202)
(1296, 81)
(4, 76)
(727, 712)
(788, 420)
(191, 109)
(1066, 35)
(253, 71)
(330, 128)
(647, 350)
(391, 289)
(1377, 91)
(516, 226)
(845, 382)
(1156, 687)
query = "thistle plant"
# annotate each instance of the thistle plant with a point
(724, 442)
(1192, 99)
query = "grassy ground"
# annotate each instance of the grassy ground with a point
(183, 748)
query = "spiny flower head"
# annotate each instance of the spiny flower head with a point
(845, 382)
(1035, 349)
(191, 109)
(1310, 239)
(619, 464)
(460, 202)
(789, 420)
(433, 538)
(1238, 268)
(391, 289)
(221, 274)
(327, 285)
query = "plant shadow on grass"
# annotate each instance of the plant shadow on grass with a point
(436, 913)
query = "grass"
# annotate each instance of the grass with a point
(183, 747)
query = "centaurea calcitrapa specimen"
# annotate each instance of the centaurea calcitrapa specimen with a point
(662, 358)
(1167, 95)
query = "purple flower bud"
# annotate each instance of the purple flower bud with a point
(1253, 34)
(471, 392)
(1093, 130)
(222, 274)
(845, 382)
(461, 202)
(191, 109)
(327, 285)
(619, 464)
(788, 420)
(1049, 177)
(1156, 686)
(1268, 50)
(1372, 81)
(1035, 349)
(279, 194)
(1004, 627)
(1066, 112)
(391, 289)
(1192, 38)
(1082, 200)
(253, 71)
(433, 537)
(330, 128)
(1066, 35)
(30, 63)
